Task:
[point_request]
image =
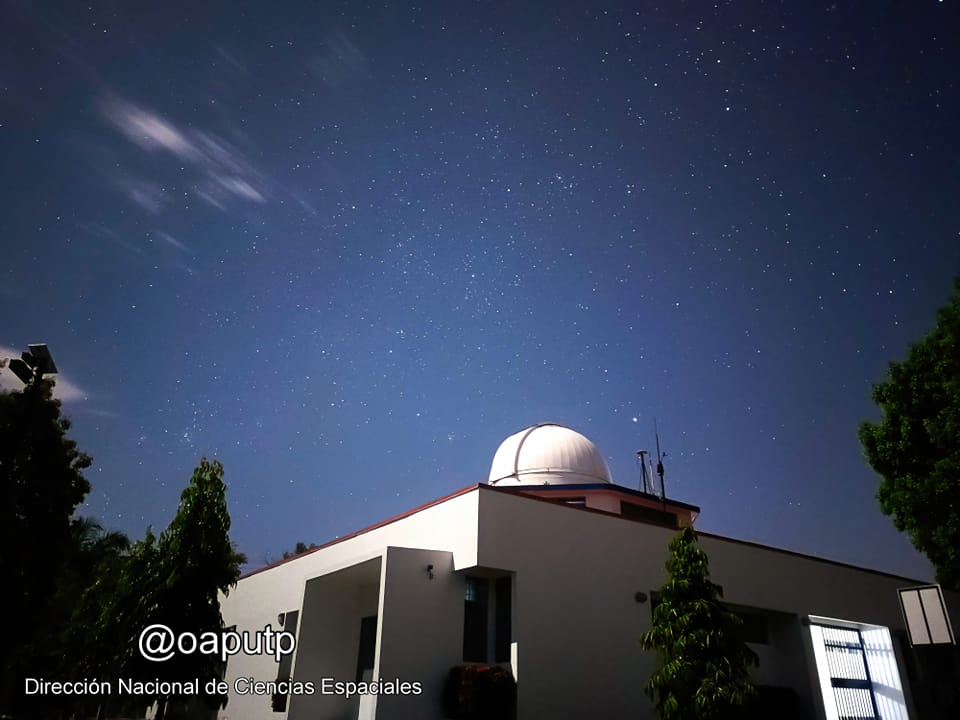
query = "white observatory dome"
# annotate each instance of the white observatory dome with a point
(548, 454)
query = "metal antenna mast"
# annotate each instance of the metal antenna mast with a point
(663, 494)
(642, 459)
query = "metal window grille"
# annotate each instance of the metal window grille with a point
(849, 674)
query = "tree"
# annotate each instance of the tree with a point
(705, 664)
(88, 581)
(175, 580)
(299, 549)
(41, 484)
(200, 563)
(916, 448)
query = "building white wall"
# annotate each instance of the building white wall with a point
(603, 501)
(421, 630)
(329, 641)
(576, 620)
(256, 601)
(766, 577)
(576, 617)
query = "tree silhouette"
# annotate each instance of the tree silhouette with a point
(916, 448)
(175, 580)
(41, 484)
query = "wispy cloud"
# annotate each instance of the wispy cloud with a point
(149, 196)
(65, 390)
(223, 172)
(148, 130)
(340, 63)
(167, 237)
(99, 230)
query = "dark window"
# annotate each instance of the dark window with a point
(289, 624)
(651, 516)
(475, 620)
(368, 645)
(502, 619)
(754, 627)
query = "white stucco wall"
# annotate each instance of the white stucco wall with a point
(449, 526)
(577, 623)
(421, 630)
(604, 502)
(576, 620)
(329, 641)
(766, 577)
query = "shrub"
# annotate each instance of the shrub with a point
(480, 692)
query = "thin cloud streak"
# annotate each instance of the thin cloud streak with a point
(173, 241)
(225, 173)
(148, 130)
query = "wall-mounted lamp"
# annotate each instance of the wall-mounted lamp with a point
(280, 618)
(640, 597)
(430, 571)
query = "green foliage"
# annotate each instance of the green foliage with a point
(300, 549)
(41, 484)
(175, 580)
(79, 596)
(705, 664)
(199, 563)
(88, 581)
(916, 448)
(200, 559)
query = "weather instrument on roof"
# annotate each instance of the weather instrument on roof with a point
(642, 459)
(663, 494)
(31, 366)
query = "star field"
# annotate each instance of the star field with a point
(347, 249)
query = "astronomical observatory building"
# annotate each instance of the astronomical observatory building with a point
(550, 570)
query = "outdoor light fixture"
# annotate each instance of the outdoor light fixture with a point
(640, 597)
(430, 571)
(21, 370)
(31, 366)
(280, 619)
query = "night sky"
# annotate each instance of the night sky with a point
(347, 249)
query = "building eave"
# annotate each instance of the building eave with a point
(541, 493)
(539, 490)
(369, 528)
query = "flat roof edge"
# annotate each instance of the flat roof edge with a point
(363, 531)
(814, 558)
(606, 487)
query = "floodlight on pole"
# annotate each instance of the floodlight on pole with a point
(45, 364)
(21, 370)
(31, 366)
